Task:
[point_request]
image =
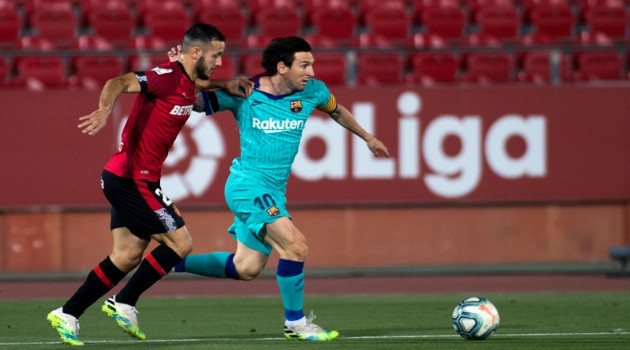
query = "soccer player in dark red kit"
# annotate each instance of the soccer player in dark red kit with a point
(131, 180)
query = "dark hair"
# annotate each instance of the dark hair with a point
(201, 33)
(282, 50)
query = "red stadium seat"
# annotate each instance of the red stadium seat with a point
(278, 21)
(31, 5)
(585, 5)
(330, 68)
(430, 68)
(501, 22)
(554, 21)
(256, 6)
(226, 16)
(337, 22)
(379, 69)
(92, 72)
(57, 23)
(537, 68)
(447, 22)
(113, 21)
(611, 21)
(250, 65)
(147, 61)
(530, 5)
(310, 6)
(599, 65)
(146, 6)
(390, 20)
(227, 70)
(420, 6)
(168, 21)
(92, 42)
(475, 6)
(42, 72)
(488, 67)
(10, 27)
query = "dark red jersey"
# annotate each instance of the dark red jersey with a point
(159, 112)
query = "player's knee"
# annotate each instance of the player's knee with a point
(248, 273)
(125, 261)
(298, 250)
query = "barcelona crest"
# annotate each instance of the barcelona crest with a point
(273, 211)
(296, 106)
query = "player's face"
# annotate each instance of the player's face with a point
(210, 60)
(301, 71)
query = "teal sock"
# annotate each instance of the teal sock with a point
(215, 264)
(290, 278)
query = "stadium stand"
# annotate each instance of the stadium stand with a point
(225, 15)
(335, 21)
(433, 40)
(330, 68)
(537, 68)
(113, 21)
(55, 22)
(10, 25)
(91, 72)
(39, 73)
(374, 69)
(278, 21)
(167, 21)
(432, 68)
(488, 67)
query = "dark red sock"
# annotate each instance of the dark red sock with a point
(153, 267)
(98, 282)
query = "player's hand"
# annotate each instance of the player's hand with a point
(240, 86)
(93, 122)
(174, 53)
(377, 147)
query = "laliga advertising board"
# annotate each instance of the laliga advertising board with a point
(448, 145)
(466, 144)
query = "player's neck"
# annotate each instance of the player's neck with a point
(189, 68)
(275, 85)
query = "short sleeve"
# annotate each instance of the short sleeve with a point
(160, 81)
(217, 100)
(325, 101)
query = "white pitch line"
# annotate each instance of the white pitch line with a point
(418, 336)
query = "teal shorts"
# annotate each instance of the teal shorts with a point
(253, 206)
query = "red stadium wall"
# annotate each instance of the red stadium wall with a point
(503, 174)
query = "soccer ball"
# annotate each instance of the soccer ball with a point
(475, 318)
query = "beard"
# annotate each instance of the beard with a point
(201, 69)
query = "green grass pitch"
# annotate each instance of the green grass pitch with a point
(584, 320)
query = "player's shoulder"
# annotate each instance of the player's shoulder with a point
(316, 84)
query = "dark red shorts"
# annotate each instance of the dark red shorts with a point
(140, 205)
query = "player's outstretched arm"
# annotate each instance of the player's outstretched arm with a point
(240, 86)
(344, 118)
(95, 121)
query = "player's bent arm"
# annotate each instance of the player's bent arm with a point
(233, 86)
(95, 121)
(344, 118)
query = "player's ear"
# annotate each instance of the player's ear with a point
(196, 53)
(281, 67)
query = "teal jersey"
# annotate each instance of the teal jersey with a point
(270, 128)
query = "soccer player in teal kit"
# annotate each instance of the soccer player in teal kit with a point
(271, 121)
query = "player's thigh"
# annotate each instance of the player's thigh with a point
(140, 206)
(127, 249)
(286, 239)
(248, 261)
